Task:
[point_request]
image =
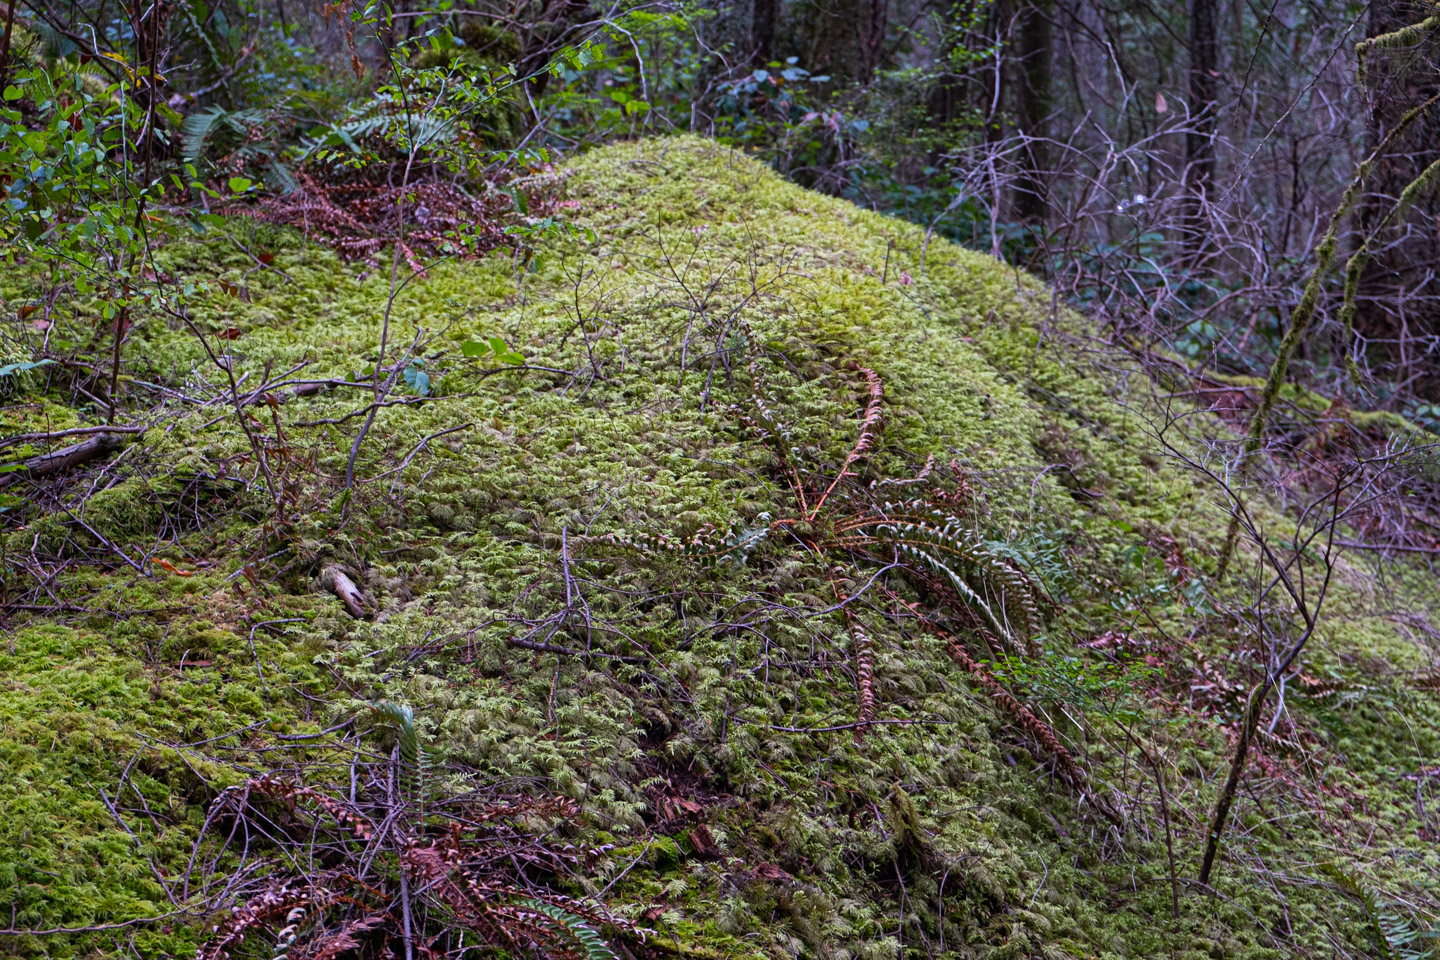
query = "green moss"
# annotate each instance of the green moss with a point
(91, 727)
(937, 822)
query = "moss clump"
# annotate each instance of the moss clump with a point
(723, 696)
(97, 778)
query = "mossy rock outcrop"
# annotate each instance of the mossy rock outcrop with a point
(487, 524)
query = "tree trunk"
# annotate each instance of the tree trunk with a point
(1398, 297)
(1220, 814)
(1200, 141)
(1035, 49)
(846, 38)
(5, 42)
(149, 25)
(762, 31)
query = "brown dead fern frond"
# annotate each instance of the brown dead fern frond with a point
(281, 901)
(356, 214)
(871, 424)
(1066, 767)
(366, 896)
(862, 649)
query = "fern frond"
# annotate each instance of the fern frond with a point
(1041, 731)
(285, 938)
(972, 568)
(870, 425)
(280, 177)
(196, 128)
(734, 545)
(204, 125)
(413, 757)
(1393, 932)
(864, 670)
(571, 929)
(966, 592)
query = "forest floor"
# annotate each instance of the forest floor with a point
(647, 552)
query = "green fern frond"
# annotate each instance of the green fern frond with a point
(966, 592)
(733, 545)
(196, 128)
(206, 125)
(54, 46)
(279, 177)
(571, 929)
(414, 759)
(1393, 932)
(379, 117)
(286, 936)
(972, 567)
(740, 542)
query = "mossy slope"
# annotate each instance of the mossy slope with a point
(936, 833)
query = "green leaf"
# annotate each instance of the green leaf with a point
(12, 368)
(13, 92)
(417, 379)
(474, 348)
(239, 184)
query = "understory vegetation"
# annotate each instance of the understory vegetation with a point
(428, 531)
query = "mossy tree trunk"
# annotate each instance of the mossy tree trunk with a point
(1325, 254)
(1398, 301)
(1220, 814)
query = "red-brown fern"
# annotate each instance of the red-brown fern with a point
(1066, 767)
(356, 215)
(870, 425)
(471, 882)
(862, 650)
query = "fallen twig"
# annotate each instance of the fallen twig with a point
(13, 439)
(567, 652)
(65, 458)
(335, 580)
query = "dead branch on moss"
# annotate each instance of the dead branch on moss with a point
(17, 438)
(335, 580)
(67, 458)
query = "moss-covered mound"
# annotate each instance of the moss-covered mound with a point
(783, 742)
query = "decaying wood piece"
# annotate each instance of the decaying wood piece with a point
(335, 580)
(65, 458)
